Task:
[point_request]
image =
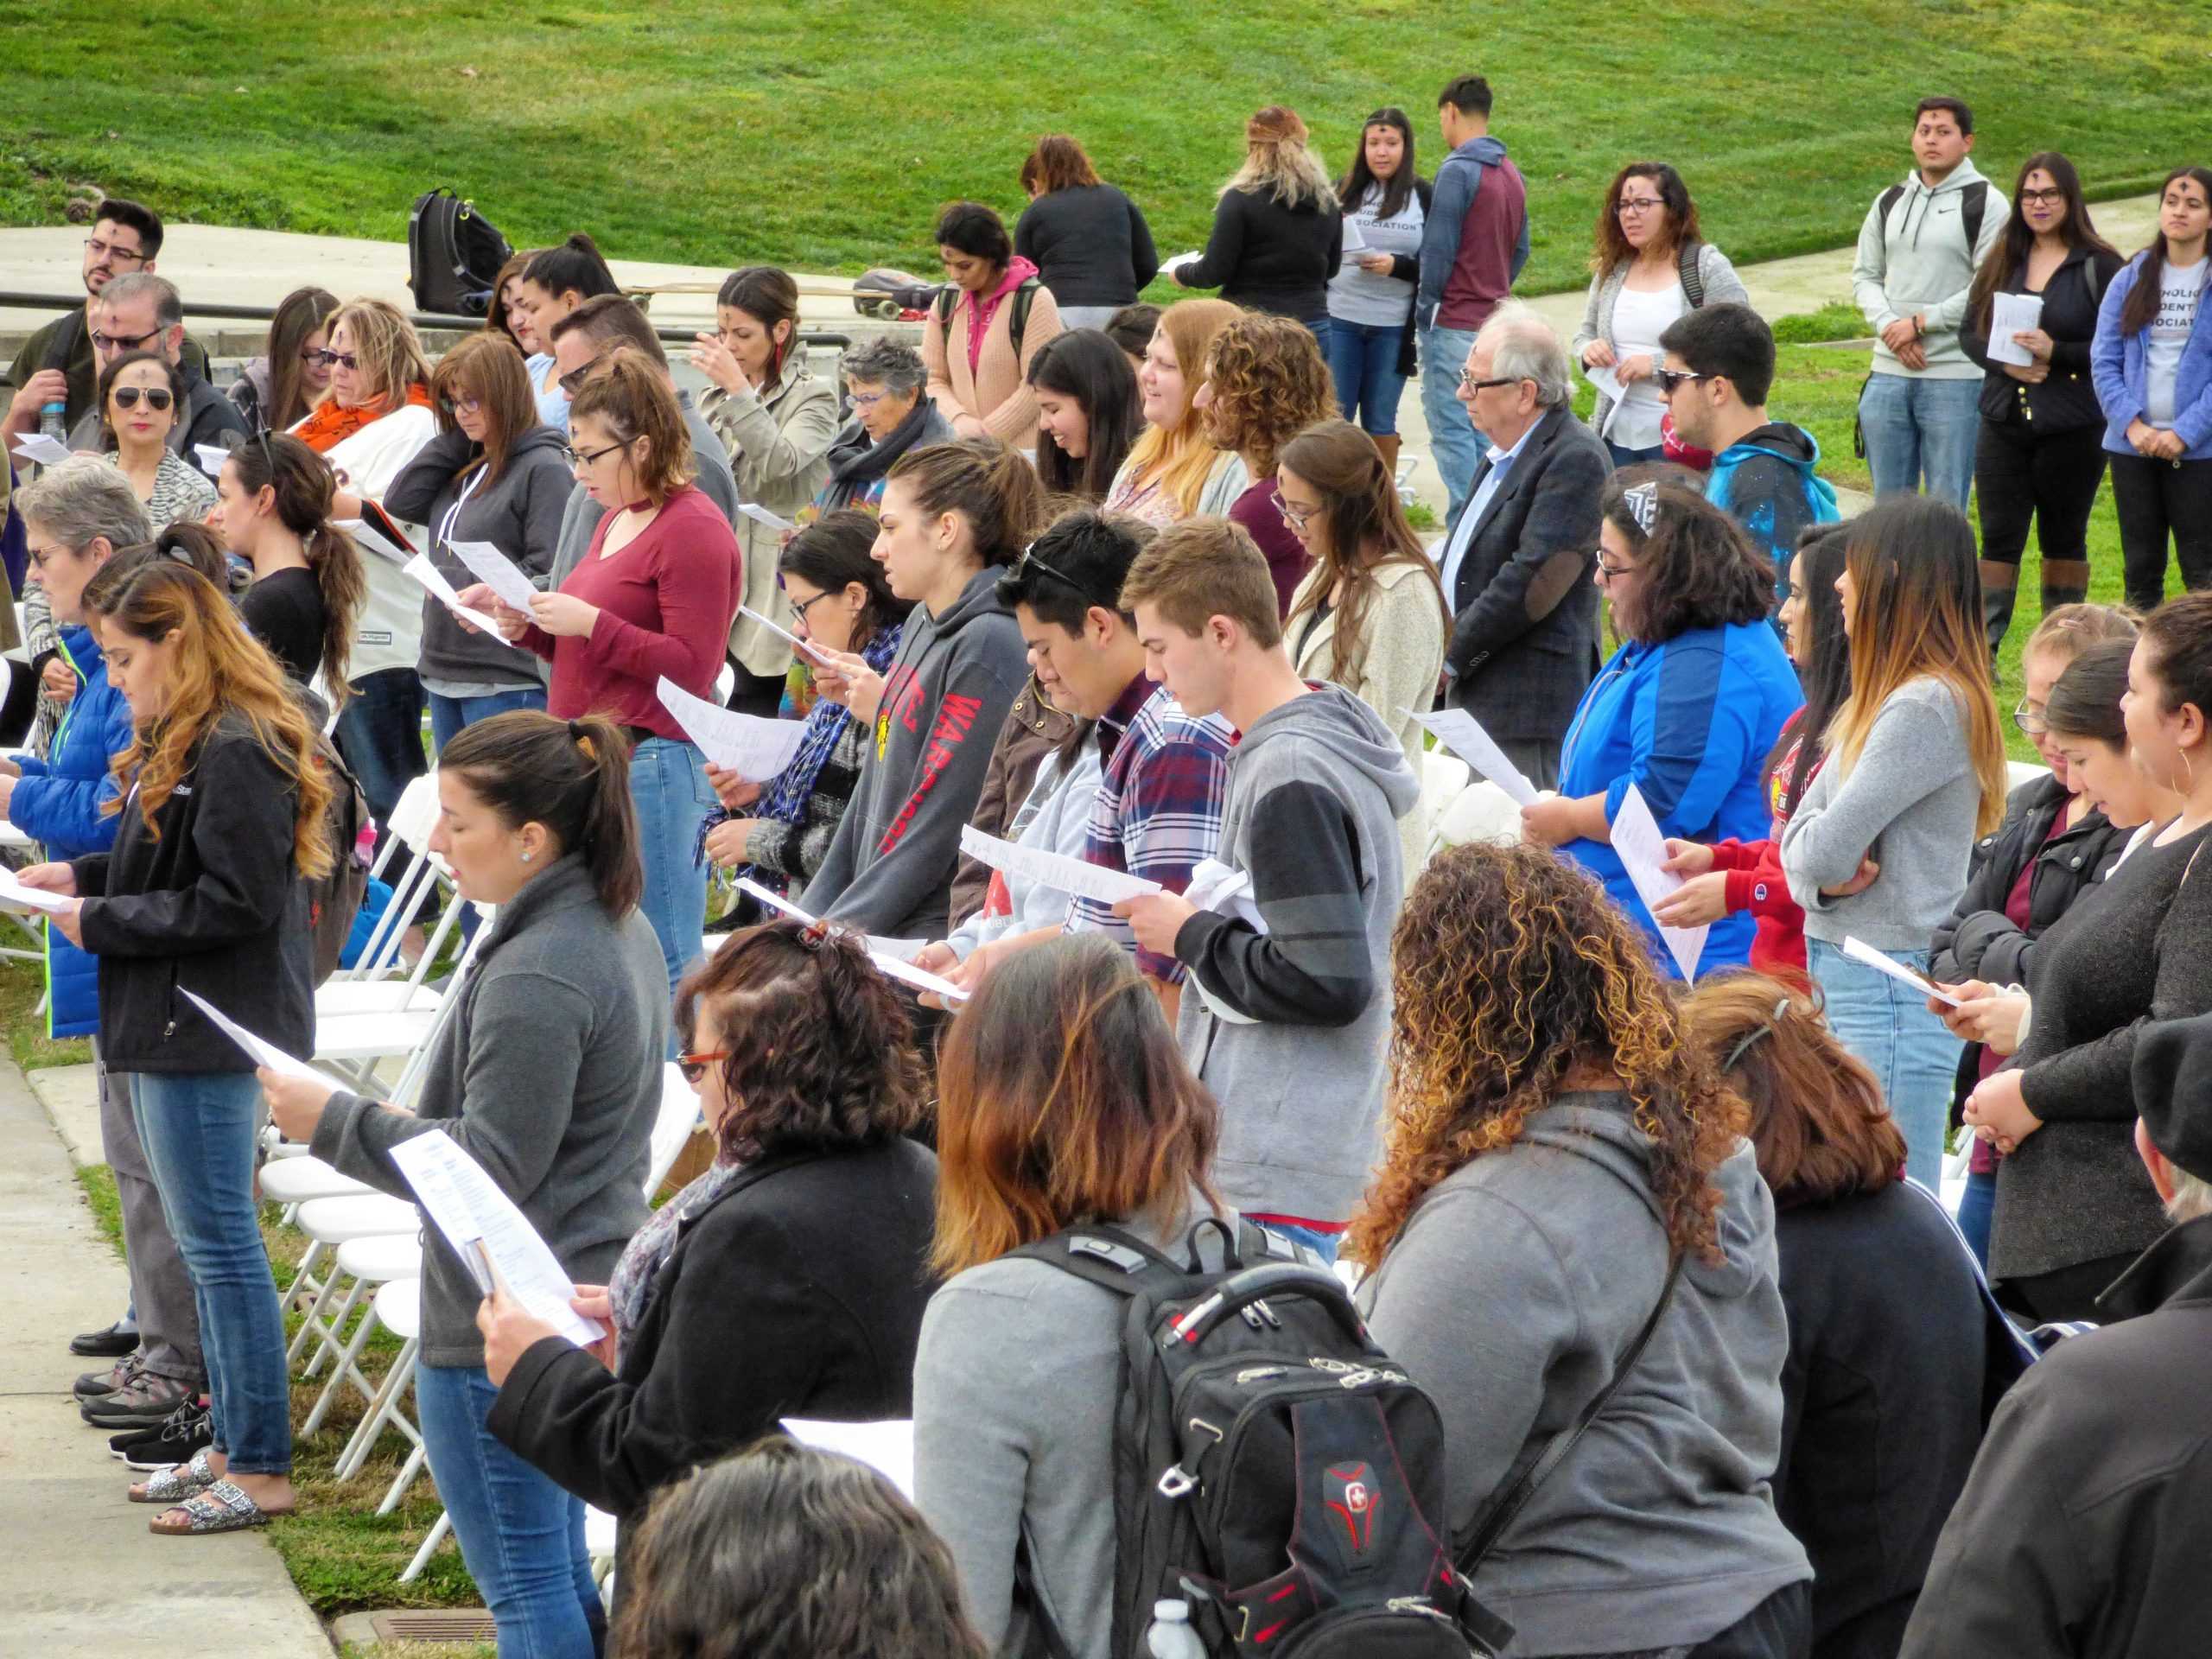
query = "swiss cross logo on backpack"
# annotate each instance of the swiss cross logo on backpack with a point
(1351, 1496)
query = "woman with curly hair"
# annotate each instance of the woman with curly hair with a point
(1568, 1225)
(1266, 382)
(750, 1296)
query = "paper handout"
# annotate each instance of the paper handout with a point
(1225, 890)
(894, 965)
(375, 533)
(1643, 850)
(1354, 242)
(1076, 875)
(265, 1053)
(466, 1205)
(2011, 314)
(1860, 950)
(38, 447)
(498, 572)
(755, 747)
(760, 515)
(13, 892)
(423, 572)
(212, 457)
(1462, 733)
(781, 632)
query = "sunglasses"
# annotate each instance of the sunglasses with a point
(573, 381)
(1029, 559)
(1667, 379)
(330, 359)
(123, 342)
(157, 397)
(694, 1066)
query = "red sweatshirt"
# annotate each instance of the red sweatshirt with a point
(665, 604)
(1755, 880)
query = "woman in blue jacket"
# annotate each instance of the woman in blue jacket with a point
(2151, 361)
(1688, 707)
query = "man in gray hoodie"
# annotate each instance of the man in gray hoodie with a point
(1290, 961)
(1922, 241)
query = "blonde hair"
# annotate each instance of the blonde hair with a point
(1279, 163)
(390, 352)
(1181, 458)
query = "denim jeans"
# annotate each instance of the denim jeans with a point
(1625, 457)
(668, 784)
(1921, 429)
(380, 735)
(198, 1130)
(1977, 1207)
(449, 717)
(1363, 362)
(1453, 443)
(1886, 1023)
(522, 1535)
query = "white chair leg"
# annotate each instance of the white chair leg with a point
(327, 1335)
(437, 1535)
(311, 1323)
(347, 1369)
(384, 1408)
(408, 1472)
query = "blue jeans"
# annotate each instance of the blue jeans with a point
(198, 1130)
(522, 1535)
(1886, 1023)
(1977, 1207)
(380, 735)
(1624, 456)
(1454, 444)
(668, 784)
(1919, 430)
(449, 717)
(1363, 362)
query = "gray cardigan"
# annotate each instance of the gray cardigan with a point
(548, 1074)
(1721, 283)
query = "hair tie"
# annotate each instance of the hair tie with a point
(581, 738)
(1764, 1028)
(1642, 502)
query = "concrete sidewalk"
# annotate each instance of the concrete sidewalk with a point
(86, 1579)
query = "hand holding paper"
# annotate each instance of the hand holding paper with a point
(2010, 314)
(498, 572)
(1860, 950)
(781, 632)
(890, 956)
(424, 572)
(37, 448)
(13, 892)
(1643, 853)
(1075, 875)
(263, 1053)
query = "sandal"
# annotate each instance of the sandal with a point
(223, 1507)
(172, 1486)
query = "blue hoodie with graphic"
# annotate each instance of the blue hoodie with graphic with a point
(1766, 483)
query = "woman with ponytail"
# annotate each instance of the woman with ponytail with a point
(204, 895)
(652, 600)
(952, 515)
(273, 510)
(548, 1075)
(805, 1063)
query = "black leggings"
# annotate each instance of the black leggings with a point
(2020, 472)
(2157, 499)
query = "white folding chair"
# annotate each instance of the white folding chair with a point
(373, 1261)
(329, 1223)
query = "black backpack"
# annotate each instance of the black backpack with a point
(1024, 297)
(454, 255)
(1272, 1469)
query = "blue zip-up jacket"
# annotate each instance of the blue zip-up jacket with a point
(2117, 367)
(1689, 722)
(1451, 199)
(58, 801)
(1766, 483)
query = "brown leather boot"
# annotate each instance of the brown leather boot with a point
(1389, 448)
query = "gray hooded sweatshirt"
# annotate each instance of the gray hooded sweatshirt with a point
(1510, 1295)
(1918, 259)
(1287, 1026)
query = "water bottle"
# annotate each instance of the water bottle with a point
(1171, 1635)
(53, 421)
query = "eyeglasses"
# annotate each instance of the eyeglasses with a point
(576, 457)
(694, 1066)
(1294, 515)
(311, 357)
(41, 555)
(123, 342)
(1467, 380)
(2028, 717)
(867, 400)
(111, 250)
(157, 397)
(2049, 198)
(800, 611)
(330, 359)
(1667, 379)
(1628, 207)
(1608, 573)
(455, 405)
(573, 379)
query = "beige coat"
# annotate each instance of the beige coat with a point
(996, 392)
(779, 450)
(1397, 671)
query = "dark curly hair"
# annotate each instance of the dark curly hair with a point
(1269, 384)
(821, 1050)
(1511, 969)
(783, 1552)
(1699, 569)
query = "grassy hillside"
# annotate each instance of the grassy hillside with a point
(822, 135)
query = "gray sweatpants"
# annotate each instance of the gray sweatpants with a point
(160, 1288)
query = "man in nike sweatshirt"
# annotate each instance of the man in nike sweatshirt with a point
(1291, 1013)
(1918, 250)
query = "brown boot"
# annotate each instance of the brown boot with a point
(1389, 448)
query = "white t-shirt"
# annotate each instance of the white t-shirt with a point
(1357, 294)
(2179, 294)
(1638, 320)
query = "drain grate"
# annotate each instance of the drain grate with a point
(465, 1624)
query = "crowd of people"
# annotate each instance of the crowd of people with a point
(1134, 585)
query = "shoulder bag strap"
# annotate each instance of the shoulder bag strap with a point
(1517, 1496)
(1692, 283)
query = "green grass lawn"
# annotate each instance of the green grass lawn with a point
(822, 137)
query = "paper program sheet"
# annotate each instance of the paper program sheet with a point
(1076, 875)
(1860, 950)
(893, 957)
(753, 747)
(1462, 733)
(1642, 849)
(498, 572)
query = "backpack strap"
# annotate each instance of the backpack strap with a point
(1972, 207)
(1685, 266)
(1889, 198)
(1517, 1496)
(1025, 296)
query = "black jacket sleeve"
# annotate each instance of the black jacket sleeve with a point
(1225, 249)
(1406, 267)
(735, 1354)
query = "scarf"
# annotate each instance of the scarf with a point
(859, 461)
(329, 424)
(630, 1287)
(785, 800)
(981, 308)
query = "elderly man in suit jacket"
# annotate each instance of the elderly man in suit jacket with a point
(1516, 564)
